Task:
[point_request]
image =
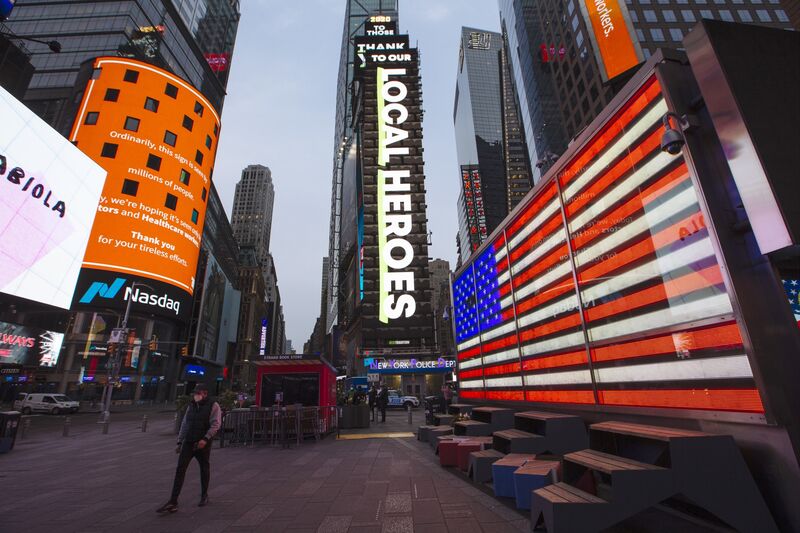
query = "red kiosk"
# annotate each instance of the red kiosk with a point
(295, 379)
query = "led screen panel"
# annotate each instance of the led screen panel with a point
(615, 45)
(5, 8)
(649, 323)
(49, 192)
(156, 135)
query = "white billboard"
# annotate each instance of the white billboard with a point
(49, 192)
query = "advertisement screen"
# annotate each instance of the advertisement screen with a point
(157, 137)
(49, 192)
(26, 346)
(622, 303)
(615, 45)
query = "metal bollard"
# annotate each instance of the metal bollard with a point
(26, 425)
(105, 427)
(144, 424)
(67, 422)
(408, 408)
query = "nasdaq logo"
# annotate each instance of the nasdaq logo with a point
(103, 290)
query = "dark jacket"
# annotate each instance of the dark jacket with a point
(202, 420)
(383, 398)
(373, 396)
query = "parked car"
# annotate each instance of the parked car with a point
(396, 400)
(45, 403)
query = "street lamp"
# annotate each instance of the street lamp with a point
(114, 359)
(54, 46)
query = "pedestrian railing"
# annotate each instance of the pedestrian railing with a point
(277, 426)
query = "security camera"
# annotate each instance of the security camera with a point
(672, 140)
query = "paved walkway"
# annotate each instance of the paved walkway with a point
(96, 483)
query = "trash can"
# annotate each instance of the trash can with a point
(9, 423)
(433, 404)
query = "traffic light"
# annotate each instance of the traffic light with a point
(153, 344)
(184, 351)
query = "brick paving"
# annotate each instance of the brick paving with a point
(90, 482)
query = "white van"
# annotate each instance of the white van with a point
(45, 403)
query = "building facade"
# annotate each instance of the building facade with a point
(442, 307)
(556, 65)
(357, 12)
(253, 204)
(186, 37)
(494, 171)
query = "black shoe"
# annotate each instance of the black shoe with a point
(168, 507)
(203, 500)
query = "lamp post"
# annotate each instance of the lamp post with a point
(114, 359)
(54, 46)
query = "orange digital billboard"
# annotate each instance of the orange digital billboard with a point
(156, 135)
(615, 45)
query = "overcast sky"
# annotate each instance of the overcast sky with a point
(280, 112)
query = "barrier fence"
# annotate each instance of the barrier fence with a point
(277, 426)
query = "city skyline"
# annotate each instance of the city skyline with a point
(302, 211)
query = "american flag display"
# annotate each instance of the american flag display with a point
(792, 288)
(649, 324)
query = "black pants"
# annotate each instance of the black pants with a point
(188, 452)
(383, 413)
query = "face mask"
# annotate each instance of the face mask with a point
(198, 397)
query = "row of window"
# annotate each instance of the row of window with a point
(689, 16)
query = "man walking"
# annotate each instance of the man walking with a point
(372, 397)
(201, 422)
(383, 401)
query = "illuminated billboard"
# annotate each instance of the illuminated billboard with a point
(650, 322)
(614, 41)
(48, 196)
(31, 347)
(156, 135)
(393, 253)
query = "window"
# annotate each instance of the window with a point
(744, 15)
(130, 187)
(688, 15)
(780, 14)
(208, 141)
(195, 215)
(112, 95)
(216, 130)
(706, 14)
(676, 34)
(198, 109)
(188, 123)
(763, 15)
(151, 104)
(131, 76)
(657, 34)
(170, 138)
(185, 176)
(91, 118)
(650, 15)
(640, 35)
(726, 15)
(203, 194)
(199, 157)
(634, 16)
(171, 91)
(171, 202)
(669, 15)
(109, 150)
(154, 162)
(132, 124)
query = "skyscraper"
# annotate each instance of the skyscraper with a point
(252, 212)
(494, 171)
(191, 38)
(357, 12)
(560, 74)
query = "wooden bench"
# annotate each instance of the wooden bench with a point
(472, 428)
(437, 433)
(423, 431)
(531, 476)
(497, 417)
(517, 441)
(442, 420)
(456, 409)
(480, 465)
(564, 508)
(563, 433)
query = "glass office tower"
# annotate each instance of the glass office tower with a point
(192, 38)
